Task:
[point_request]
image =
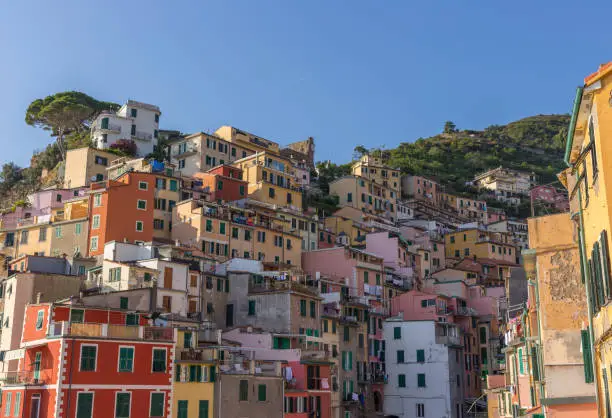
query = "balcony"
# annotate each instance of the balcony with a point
(464, 311)
(26, 377)
(110, 127)
(143, 136)
(195, 354)
(449, 340)
(95, 330)
(251, 367)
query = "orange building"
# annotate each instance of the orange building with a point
(224, 183)
(121, 210)
(90, 362)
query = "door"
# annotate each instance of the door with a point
(203, 410)
(168, 277)
(229, 315)
(35, 408)
(37, 360)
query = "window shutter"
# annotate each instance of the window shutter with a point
(344, 360)
(605, 256)
(586, 356)
(535, 366)
(350, 360)
(212, 373)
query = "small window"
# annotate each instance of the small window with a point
(157, 402)
(77, 316)
(39, 319)
(271, 192)
(261, 393)
(126, 359)
(397, 333)
(123, 302)
(421, 380)
(401, 380)
(94, 243)
(173, 185)
(134, 112)
(142, 204)
(159, 360)
(95, 223)
(122, 404)
(88, 358)
(139, 226)
(143, 185)
(251, 308)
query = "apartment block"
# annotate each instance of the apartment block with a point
(505, 184)
(134, 121)
(85, 166)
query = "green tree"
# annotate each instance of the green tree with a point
(449, 127)
(65, 113)
(359, 152)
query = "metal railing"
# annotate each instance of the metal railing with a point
(26, 377)
(144, 136)
(97, 330)
(111, 127)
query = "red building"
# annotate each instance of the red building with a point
(309, 392)
(549, 196)
(90, 362)
(224, 183)
(327, 239)
(121, 209)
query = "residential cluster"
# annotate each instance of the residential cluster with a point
(208, 283)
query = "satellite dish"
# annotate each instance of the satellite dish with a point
(93, 178)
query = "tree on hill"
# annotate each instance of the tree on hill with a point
(65, 113)
(359, 151)
(449, 127)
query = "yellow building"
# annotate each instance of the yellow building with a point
(271, 179)
(587, 153)
(85, 166)
(223, 231)
(344, 224)
(481, 244)
(246, 140)
(64, 231)
(195, 371)
(383, 178)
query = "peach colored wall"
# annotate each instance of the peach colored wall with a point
(588, 410)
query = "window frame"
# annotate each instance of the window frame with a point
(165, 350)
(88, 345)
(133, 348)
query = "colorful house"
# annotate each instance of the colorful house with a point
(90, 362)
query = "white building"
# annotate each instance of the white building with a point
(133, 121)
(131, 266)
(424, 367)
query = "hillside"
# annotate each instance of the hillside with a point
(534, 144)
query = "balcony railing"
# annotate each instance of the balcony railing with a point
(195, 354)
(26, 377)
(111, 127)
(449, 340)
(96, 330)
(144, 136)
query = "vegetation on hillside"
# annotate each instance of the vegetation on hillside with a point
(454, 157)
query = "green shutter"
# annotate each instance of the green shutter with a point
(203, 409)
(401, 380)
(313, 309)
(226, 285)
(605, 255)
(344, 361)
(211, 373)
(397, 333)
(587, 356)
(157, 405)
(243, 392)
(421, 356)
(193, 373)
(534, 362)
(302, 307)
(182, 409)
(126, 359)
(421, 380)
(251, 307)
(350, 360)
(261, 393)
(177, 373)
(122, 405)
(520, 361)
(84, 405)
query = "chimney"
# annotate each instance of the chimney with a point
(38, 295)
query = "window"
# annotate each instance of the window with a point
(366, 278)
(347, 334)
(122, 404)
(159, 360)
(401, 380)
(141, 204)
(24, 237)
(88, 358)
(289, 198)
(244, 390)
(157, 404)
(158, 224)
(126, 359)
(466, 252)
(173, 185)
(247, 235)
(183, 409)
(251, 308)
(84, 405)
(349, 197)
(452, 239)
(77, 316)
(421, 380)
(42, 234)
(587, 356)
(457, 253)
(400, 356)
(7, 408)
(303, 307)
(139, 226)
(313, 309)
(134, 112)
(261, 393)
(271, 192)
(39, 319)
(77, 229)
(421, 410)
(123, 302)
(397, 333)
(142, 185)
(95, 222)
(114, 274)
(421, 356)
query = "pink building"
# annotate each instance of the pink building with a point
(419, 238)
(356, 269)
(495, 215)
(396, 254)
(550, 196)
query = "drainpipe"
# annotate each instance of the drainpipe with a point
(587, 278)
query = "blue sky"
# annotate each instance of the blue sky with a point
(345, 72)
